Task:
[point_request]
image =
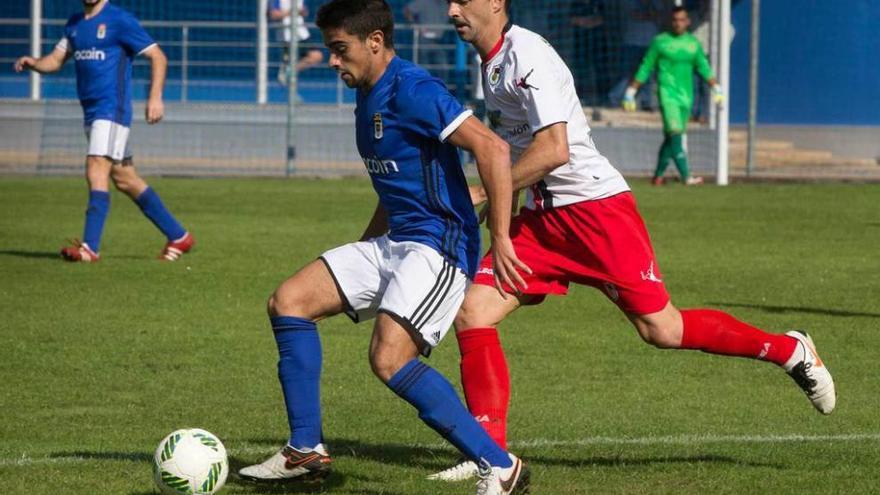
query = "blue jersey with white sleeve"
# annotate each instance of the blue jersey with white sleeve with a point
(402, 126)
(103, 47)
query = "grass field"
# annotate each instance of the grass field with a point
(98, 363)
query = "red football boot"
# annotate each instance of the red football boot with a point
(79, 251)
(174, 249)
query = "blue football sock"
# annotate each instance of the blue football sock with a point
(299, 371)
(96, 214)
(441, 409)
(150, 203)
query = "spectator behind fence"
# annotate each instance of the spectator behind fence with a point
(640, 21)
(698, 10)
(590, 65)
(430, 13)
(281, 11)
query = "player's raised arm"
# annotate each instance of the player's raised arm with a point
(493, 163)
(47, 64)
(158, 68)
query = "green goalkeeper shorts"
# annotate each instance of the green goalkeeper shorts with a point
(675, 117)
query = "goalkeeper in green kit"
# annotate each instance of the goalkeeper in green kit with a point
(675, 54)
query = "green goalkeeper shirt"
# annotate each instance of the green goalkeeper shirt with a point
(675, 57)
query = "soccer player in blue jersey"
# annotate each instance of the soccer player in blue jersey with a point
(103, 40)
(411, 267)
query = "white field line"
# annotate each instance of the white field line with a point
(26, 460)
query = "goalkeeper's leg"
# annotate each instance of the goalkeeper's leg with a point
(676, 126)
(679, 155)
(675, 118)
(663, 157)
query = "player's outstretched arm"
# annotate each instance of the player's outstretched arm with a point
(158, 68)
(52, 62)
(378, 224)
(493, 163)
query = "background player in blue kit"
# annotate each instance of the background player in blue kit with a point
(103, 41)
(412, 264)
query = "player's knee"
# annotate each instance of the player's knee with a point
(278, 304)
(660, 336)
(122, 179)
(384, 364)
(284, 302)
(469, 316)
(121, 184)
(96, 171)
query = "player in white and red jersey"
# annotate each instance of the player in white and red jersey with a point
(580, 225)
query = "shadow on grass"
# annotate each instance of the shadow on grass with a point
(30, 254)
(646, 461)
(386, 453)
(54, 255)
(335, 480)
(796, 309)
(437, 459)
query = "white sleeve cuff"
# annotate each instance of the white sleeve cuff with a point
(147, 48)
(63, 44)
(455, 124)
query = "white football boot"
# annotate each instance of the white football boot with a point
(290, 464)
(805, 367)
(504, 481)
(464, 470)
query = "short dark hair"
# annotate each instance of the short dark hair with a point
(678, 9)
(358, 17)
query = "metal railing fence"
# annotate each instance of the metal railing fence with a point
(225, 54)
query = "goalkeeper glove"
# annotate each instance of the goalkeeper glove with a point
(629, 99)
(717, 94)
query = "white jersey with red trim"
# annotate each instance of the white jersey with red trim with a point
(528, 87)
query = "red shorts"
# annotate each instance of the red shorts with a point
(602, 243)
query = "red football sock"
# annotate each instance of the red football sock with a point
(486, 380)
(717, 332)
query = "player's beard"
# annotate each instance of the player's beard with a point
(90, 3)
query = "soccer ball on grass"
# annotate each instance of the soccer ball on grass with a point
(190, 462)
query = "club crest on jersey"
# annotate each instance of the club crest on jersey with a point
(378, 132)
(102, 31)
(495, 75)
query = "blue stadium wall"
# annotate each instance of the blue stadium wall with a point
(818, 62)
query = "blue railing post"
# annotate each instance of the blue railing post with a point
(460, 76)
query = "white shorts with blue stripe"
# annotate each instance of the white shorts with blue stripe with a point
(408, 280)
